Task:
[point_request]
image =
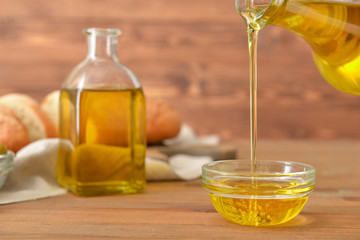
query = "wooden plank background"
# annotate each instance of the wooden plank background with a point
(191, 53)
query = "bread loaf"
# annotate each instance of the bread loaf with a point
(37, 123)
(50, 105)
(162, 120)
(13, 134)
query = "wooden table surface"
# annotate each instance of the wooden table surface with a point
(182, 209)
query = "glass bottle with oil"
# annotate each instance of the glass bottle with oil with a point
(102, 120)
(330, 27)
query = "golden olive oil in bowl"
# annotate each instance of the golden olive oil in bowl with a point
(275, 194)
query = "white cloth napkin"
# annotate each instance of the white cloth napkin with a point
(34, 173)
(187, 137)
(178, 167)
(181, 166)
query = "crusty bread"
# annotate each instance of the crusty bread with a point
(50, 105)
(21, 97)
(13, 134)
(37, 123)
(162, 120)
(50, 128)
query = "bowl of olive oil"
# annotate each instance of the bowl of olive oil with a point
(273, 193)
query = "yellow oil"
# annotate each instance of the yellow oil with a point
(258, 212)
(332, 29)
(260, 204)
(106, 131)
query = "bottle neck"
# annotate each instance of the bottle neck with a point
(101, 43)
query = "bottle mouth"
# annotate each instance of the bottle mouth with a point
(102, 31)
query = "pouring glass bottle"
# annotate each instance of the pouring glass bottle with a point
(102, 120)
(331, 27)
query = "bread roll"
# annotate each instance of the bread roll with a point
(50, 105)
(37, 123)
(13, 134)
(21, 97)
(162, 120)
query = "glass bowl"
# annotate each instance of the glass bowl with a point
(274, 194)
(6, 164)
